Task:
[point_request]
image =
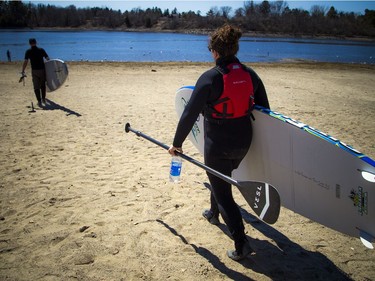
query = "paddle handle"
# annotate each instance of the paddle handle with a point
(183, 156)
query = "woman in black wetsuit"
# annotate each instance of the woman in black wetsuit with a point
(225, 94)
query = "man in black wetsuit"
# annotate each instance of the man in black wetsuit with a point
(36, 56)
(225, 94)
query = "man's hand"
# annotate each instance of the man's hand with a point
(23, 75)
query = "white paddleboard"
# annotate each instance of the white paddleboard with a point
(56, 74)
(317, 176)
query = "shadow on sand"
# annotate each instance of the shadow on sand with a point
(281, 260)
(209, 256)
(287, 260)
(50, 105)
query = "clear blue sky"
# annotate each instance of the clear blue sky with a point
(358, 6)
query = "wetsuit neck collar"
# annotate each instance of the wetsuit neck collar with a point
(227, 60)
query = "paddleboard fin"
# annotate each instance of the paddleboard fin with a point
(366, 239)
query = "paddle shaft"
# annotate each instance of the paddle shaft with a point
(183, 156)
(261, 197)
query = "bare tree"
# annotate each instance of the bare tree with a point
(318, 11)
(278, 7)
(225, 11)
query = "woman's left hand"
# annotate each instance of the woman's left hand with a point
(172, 150)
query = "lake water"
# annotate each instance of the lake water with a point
(160, 47)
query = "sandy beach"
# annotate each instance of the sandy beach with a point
(82, 200)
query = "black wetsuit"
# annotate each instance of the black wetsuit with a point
(226, 141)
(36, 55)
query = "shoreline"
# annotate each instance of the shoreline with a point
(288, 62)
(197, 32)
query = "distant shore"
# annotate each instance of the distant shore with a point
(200, 32)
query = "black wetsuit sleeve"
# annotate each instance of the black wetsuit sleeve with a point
(44, 53)
(202, 93)
(27, 55)
(260, 94)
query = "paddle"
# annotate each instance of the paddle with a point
(263, 198)
(22, 79)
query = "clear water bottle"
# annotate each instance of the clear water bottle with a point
(175, 172)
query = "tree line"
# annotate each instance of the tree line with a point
(271, 17)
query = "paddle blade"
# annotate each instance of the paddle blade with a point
(263, 199)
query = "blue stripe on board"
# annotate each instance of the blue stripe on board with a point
(317, 133)
(187, 87)
(368, 160)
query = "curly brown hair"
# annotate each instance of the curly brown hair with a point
(225, 39)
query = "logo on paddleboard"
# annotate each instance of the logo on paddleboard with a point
(359, 199)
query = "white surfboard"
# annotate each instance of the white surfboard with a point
(56, 74)
(317, 176)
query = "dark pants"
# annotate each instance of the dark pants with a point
(39, 82)
(226, 143)
(222, 199)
